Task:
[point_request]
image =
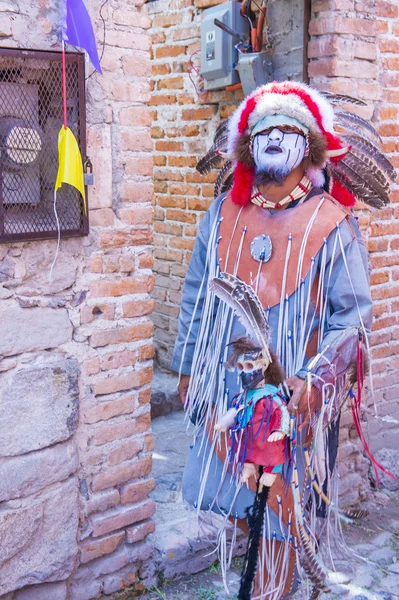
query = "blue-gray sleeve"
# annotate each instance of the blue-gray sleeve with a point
(192, 284)
(348, 286)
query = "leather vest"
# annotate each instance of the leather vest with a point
(278, 225)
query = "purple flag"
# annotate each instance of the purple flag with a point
(78, 30)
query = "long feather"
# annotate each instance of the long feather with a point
(210, 161)
(344, 117)
(342, 98)
(242, 299)
(221, 129)
(228, 183)
(363, 171)
(372, 151)
(356, 188)
(222, 177)
(308, 560)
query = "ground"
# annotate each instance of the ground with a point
(370, 571)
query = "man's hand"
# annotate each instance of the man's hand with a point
(182, 388)
(302, 403)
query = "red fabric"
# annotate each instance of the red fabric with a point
(243, 182)
(266, 419)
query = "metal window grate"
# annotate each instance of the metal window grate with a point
(31, 115)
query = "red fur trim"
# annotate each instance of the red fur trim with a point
(249, 107)
(243, 182)
(340, 193)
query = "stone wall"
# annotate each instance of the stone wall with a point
(76, 351)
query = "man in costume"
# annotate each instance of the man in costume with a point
(284, 238)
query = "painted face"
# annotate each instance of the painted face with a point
(251, 368)
(277, 152)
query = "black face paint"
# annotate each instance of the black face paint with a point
(251, 379)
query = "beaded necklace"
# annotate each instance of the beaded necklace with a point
(298, 193)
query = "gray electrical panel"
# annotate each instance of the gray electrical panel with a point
(218, 53)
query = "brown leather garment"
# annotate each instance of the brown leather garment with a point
(278, 225)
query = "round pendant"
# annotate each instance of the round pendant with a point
(261, 248)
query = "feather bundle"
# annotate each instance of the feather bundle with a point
(243, 301)
(342, 98)
(308, 560)
(222, 178)
(351, 121)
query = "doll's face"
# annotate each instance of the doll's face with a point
(251, 368)
(277, 151)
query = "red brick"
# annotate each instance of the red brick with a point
(199, 114)
(389, 46)
(167, 20)
(96, 264)
(127, 451)
(149, 443)
(120, 383)
(147, 352)
(182, 161)
(326, 5)
(88, 314)
(91, 366)
(158, 38)
(121, 286)
(385, 292)
(123, 239)
(131, 333)
(121, 517)
(120, 475)
(137, 140)
(377, 278)
(136, 192)
(387, 10)
(117, 431)
(160, 69)
(341, 25)
(107, 410)
(171, 83)
(168, 228)
(157, 133)
(167, 146)
(115, 360)
(102, 502)
(101, 547)
(146, 261)
(136, 116)
(137, 308)
(169, 51)
(136, 216)
(139, 532)
(140, 165)
(181, 243)
(179, 215)
(135, 492)
(145, 397)
(335, 67)
(162, 99)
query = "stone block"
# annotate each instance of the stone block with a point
(46, 591)
(32, 329)
(38, 537)
(25, 475)
(37, 260)
(39, 405)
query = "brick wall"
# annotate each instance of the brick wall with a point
(76, 352)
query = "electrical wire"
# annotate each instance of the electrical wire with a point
(199, 85)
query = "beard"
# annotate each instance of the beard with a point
(269, 175)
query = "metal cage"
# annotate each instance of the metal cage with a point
(31, 116)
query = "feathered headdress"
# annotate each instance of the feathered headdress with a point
(341, 144)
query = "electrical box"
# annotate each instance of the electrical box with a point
(219, 55)
(255, 69)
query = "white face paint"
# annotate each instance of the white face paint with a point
(278, 152)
